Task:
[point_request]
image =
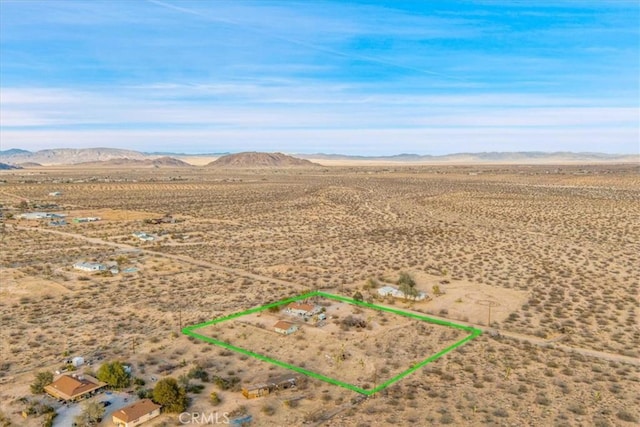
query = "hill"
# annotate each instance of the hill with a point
(29, 165)
(4, 166)
(168, 162)
(66, 156)
(13, 151)
(260, 160)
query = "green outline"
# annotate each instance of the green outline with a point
(474, 332)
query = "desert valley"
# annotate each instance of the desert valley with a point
(111, 261)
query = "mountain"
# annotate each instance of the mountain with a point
(173, 154)
(118, 157)
(167, 162)
(27, 165)
(525, 157)
(4, 166)
(65, 156)
(13, 151)
(260, 160)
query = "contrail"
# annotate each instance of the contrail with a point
(304, 44)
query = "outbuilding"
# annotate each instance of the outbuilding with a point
(285, 328)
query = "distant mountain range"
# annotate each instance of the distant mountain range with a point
(119, 157)
(158, 162)
(487, 157)
(68, 156)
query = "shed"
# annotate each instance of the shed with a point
(285, 328)
(256, 390)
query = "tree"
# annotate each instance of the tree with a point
(114, 374)
(405, 278)
(91, 415)
(43, 379)
(407, 285)
(170, 395)
(358, 296)
(409, 291)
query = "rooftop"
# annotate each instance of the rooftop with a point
(136, 410)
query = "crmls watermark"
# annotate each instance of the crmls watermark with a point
(203, 418)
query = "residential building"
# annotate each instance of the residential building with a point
(70, 387)
(40, 215)
(136, 413)
(89, 266)
(285, 328)
(143, 236)
(263, 389)
(302, 309)
(397, 293)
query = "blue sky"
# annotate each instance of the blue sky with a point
(357, 77)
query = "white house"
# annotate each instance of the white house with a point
(397, 293)
(77, 361)
(89, 266)
(285, 328)
(143, 236)
(40, 215)
(302, 309)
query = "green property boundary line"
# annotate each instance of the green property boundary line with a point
(473, 333)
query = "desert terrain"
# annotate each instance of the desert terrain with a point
(543, 258)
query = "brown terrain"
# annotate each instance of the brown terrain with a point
(158, 162)
(255, 159)
(543, 258)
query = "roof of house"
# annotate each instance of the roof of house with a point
(256, 387)
(300, 306)
(283, 325)
(136, 410)
(89, 265)
(69, 387)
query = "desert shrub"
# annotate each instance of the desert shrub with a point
(214, 398)
(354, 321)
(268, 410)
(198, 373)
(225, 383)
(627, 416)
(447, 419)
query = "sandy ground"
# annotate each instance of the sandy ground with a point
(552, 249)
(357, 356)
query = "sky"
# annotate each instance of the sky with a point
(310, 76)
